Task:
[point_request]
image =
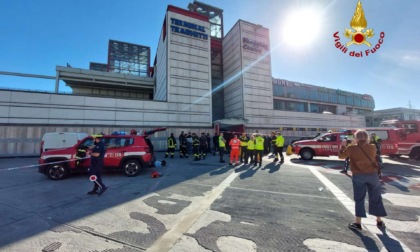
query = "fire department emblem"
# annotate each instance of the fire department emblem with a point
(358, 23)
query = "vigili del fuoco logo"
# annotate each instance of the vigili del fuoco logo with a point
(358, 35)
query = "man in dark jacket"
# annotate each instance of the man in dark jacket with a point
(216, 143)
(96, 164)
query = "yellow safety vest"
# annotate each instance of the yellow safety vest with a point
(259, 143)
(251, 145)
(244, 141)
(279, 141)
(221, 142)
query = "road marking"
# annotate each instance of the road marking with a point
(402, 199)
(369, 223)
(195, 210)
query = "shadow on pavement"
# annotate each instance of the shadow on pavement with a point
(390, 243)
(249, 173)
(367, 241)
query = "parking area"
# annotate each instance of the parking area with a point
(205, 206)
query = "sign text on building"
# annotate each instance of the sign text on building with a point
(252, 45)
(188, 28)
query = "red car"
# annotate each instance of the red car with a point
(328, 144)
(127, 153)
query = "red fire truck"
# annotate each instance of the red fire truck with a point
(408, 137)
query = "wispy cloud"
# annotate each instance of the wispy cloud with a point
(409, 59)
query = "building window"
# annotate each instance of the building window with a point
(290, 105)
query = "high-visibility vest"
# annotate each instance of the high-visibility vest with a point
(221, 141)
(251, 145)
(279, 141)
(259, 143)
(244, 141)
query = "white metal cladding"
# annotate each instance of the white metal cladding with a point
(189, 67)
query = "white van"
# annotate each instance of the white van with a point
(58, 140)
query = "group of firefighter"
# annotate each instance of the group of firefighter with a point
(243, 149)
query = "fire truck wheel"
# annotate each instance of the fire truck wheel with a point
(307, 154)
(415, 154)
(131, 168)
(57, 171)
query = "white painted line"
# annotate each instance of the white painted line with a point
(194, 211)
(369, 223)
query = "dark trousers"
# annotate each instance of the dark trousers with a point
(203, 151)
(97, 172)
(170, 151)
(189, 148)
(243, 153)
(222, 152)
(369, 183)
(183, 151)
(249, 154)
(216, 149)
(279, 151)
(258, 156)
(195, 152)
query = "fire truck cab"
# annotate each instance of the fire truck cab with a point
(408, 137)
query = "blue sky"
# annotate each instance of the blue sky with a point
(36, 36)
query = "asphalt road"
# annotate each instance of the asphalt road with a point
(206, 206)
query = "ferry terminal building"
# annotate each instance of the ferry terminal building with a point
(200, 81)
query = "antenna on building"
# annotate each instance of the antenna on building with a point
(409, 105)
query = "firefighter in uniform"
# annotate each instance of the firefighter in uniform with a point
(279, 147)
(203, 146)
(250, 150)
(81, 155)
(195, 145)
(244, 143)
(234, 152)
(171, 146)
(349, 141)
(259, 149)
(183, 147)
(222, 147)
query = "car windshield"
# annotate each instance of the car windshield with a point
(86, 144)
(320, 136)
